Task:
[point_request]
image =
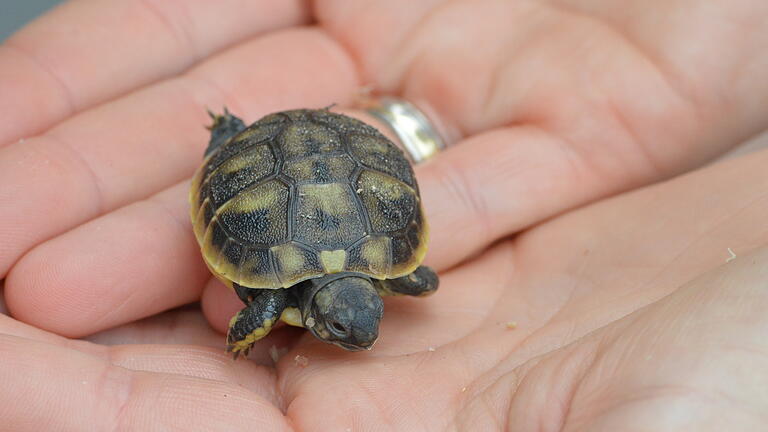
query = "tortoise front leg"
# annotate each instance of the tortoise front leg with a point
(224, 127)
(423, 281)
(255, 320)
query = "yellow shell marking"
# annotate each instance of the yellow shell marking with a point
(194, 192)
(327, 217)
(333, 261)
(301, 169)
(331, 198)
(290, 257)
(227, 283)
(261, 279)
(263, 196)
(418, 254)
(377, 190)
(251, 157)
(199, 222)
(339, 167)
(292, 265)
(376, 252)
(297, 140)
(211, 253)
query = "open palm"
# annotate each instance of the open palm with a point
(566, 106)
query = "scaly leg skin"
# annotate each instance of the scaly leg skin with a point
(263, 310)
(422, 282)
(223, 128)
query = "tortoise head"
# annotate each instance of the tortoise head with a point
(345, 311)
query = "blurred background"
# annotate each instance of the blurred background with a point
(15, 13)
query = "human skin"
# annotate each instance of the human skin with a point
(627, 315)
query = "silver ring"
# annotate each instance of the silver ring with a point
(417, 134)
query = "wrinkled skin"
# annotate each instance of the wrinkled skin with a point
(627, 315)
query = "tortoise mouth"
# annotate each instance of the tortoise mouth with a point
(351, 347)
(325, 337)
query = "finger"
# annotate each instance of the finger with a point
(100, 275)
(720, 316)
(185, 325)
(132, 284)
(219, 305)
(138, 145)
(497, 183)
(628, 81)
(561, 281)
(421, 342)
(134, 262)
(129, 264)
(48, 71)
(502, 181)
(590, 267)
(594, 132)
(159, 344)
(38, 382)
(188, 326)
(199, 362)
(10, 326)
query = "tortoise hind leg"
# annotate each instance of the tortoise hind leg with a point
(224, 127)
(255, 321)
(423, 281)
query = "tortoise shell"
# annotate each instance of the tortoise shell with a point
(305, 193)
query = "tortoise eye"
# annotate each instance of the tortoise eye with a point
(338, 328)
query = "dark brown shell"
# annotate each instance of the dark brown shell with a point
(301, 194)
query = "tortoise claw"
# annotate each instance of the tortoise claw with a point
(238, 352)
(235, 350)
(215, 117)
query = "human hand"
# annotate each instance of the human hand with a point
(564, 148)
(609, 335)
(629, 314)
(554, 106)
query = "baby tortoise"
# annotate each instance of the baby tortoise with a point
(309, 216)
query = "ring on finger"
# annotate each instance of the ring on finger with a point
(416, 132)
